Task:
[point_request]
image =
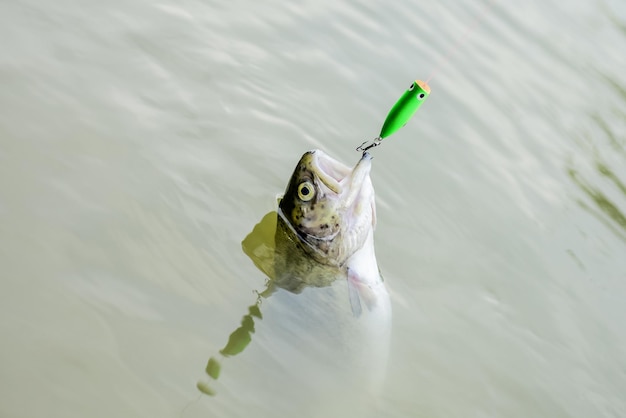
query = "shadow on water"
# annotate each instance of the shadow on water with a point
(604, 208)
(274, 252)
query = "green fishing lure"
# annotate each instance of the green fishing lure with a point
(401, 112)
(404, 108)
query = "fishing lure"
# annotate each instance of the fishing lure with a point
(401, 112)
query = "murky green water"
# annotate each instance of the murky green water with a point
(140, 142)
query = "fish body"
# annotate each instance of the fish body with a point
(322, 325)
(328, 211)
(325, 258)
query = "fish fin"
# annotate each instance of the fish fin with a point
(369, 298)
(360, 292)
(353, 293)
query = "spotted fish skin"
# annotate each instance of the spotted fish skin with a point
(329, 207)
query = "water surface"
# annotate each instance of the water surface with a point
(141, 142)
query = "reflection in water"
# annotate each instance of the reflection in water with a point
(606, 172)
(237, 342)
(613, 140)
(274, 251)
(606, 210)
(604, 204)
(240, 338)
(260, 246)
(614, 18)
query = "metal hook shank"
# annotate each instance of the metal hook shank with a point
(375, 143)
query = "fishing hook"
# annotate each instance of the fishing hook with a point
(375, 143)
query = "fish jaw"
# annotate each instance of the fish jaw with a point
(359, 176)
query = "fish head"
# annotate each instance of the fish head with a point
(329, 206)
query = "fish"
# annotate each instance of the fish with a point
(330, 311)
(329, 212)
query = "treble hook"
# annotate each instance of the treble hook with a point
(375, 143)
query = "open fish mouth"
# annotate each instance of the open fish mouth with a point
(339, 178)
(330, 171)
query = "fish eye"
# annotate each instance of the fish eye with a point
(421, 96)
(306, 191)
(412, 87)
